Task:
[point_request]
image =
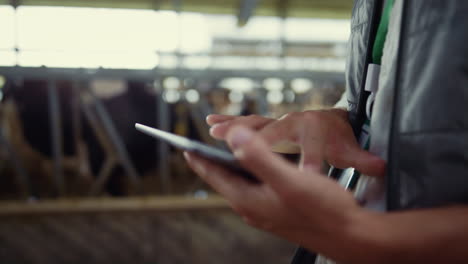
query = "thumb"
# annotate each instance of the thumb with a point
(254, 154)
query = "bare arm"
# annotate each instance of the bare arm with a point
(415, 236)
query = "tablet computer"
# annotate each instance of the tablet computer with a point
(211, 153)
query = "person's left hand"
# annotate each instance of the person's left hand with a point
(305, 207)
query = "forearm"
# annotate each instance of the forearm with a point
(413, 236)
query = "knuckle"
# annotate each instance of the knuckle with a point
(250, 151)
(313, 116)
(252, 116)
(255, 118)
(248, 117)
(292, 115)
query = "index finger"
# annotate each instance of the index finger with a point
(215, 119)
(283, 130)
(254, 154)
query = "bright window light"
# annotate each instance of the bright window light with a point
(232, 63)
(259, 28)
(108, 38)
(195, 36)
(86, 29)
(166, 31)
(7, 27)
(144, 39)
(168, 61)
(317, 30)
(268, 63)
(7, 58)
(197, 62)
(80, 59)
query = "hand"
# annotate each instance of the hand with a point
(304, 207)
(324, 135)
(313, 211)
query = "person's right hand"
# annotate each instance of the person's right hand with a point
(324, 135)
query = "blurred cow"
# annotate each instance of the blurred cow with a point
(26, 117)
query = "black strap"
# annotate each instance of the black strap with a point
(303, 256)
(361, 116)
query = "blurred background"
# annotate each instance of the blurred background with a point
(79, 184)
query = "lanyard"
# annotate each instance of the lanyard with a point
(372, 80)
(377, 49)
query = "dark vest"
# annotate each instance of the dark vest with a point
(428, 89)
(426, 106)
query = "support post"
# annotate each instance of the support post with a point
(56, 136)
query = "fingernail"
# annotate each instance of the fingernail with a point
(214, 128)
(240, 136)
(199, 169)
(239, 154)
(187, 156)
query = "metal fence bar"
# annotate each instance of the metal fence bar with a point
(116, 140)
(22, 177)
(149, 75)
(163, 150)
(56, 136)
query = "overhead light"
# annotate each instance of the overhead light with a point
(171, 83)
(273, 84)
(275, 97)
(192, 96)
(238, 84)
(171, 96)
(301, 85)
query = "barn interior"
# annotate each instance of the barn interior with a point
(80, 185)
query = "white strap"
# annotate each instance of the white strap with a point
(372, 85)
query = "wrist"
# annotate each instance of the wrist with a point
(367, 238)
(357, 238)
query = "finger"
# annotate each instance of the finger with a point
(214, 119)
(312, 157)
(368, 163)
(254, 122)
(254, 154)
(234, 188)
(253, 201)
(283, 130)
